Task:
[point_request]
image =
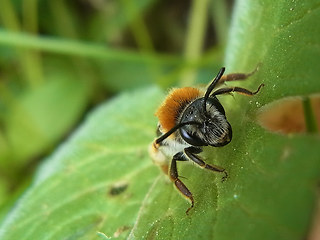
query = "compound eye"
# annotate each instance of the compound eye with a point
(191, 139)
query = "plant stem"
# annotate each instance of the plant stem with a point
(66, 27)
(220, 18)
(30, 15)
(138, 27)
(140, 33)
(33, 60)
(8, 16)
(10, 21)
(311, 124)
(195, 38)
(78, 48)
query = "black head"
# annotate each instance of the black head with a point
(212, 129)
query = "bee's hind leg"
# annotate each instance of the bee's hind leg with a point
(237, 76)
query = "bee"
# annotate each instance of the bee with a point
(190, 119)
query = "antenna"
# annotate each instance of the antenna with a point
(175, 128)
(211, 87)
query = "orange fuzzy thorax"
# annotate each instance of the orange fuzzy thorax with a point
(172, 106)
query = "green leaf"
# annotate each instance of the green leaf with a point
(274, 178)
(39, 117)
(102, 183)
(97, 180)
(282, 37)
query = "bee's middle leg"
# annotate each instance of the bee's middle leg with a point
(191, 153)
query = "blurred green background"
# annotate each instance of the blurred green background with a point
(59, 59)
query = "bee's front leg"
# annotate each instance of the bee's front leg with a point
(177, 182)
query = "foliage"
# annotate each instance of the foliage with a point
(100, 183)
